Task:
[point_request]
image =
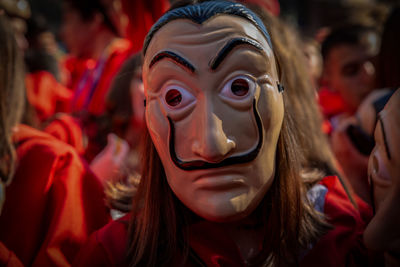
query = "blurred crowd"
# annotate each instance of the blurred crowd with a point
(73, 127)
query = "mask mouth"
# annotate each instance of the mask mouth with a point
(201, 165)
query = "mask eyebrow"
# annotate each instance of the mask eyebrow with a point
(384, 138)
(222, 54)
(175, 57)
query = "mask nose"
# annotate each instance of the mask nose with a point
(211, 143)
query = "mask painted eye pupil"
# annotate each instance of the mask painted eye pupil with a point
(240, 87)
(173, 97)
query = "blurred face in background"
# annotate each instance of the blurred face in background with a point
(348, 70)
(77, 32)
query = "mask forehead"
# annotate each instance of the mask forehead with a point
(188, 38)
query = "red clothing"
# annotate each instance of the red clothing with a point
(7, 258)
(141, 16)
(339, 246)
(93, 78)
(67, 129)
(343, 245)
(53, 203)
(331, 103)
(46, 95)
(272, 6)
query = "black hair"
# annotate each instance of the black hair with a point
(202, 11)
(351, 34)
(88, 8)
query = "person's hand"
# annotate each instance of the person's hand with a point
(108, 163)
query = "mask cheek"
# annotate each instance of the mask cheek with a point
(157, 126)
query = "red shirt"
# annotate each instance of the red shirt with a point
(339, 247)
(53, 203)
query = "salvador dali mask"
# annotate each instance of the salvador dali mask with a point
(214, 113)
(383, 232)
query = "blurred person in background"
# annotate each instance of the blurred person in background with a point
(50, 199)
(137, 18)
(17, 11)
(11, 108)
(97, 53)
(348, 77)
(353, 140)
(348, 70)
(45, 91)
(122, 123)
(45, 94)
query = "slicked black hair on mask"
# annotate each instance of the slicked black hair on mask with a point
(203, 11)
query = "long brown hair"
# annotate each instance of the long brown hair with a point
(159, 223)
(316, 151)
(11, 97)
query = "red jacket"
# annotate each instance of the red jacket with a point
(341, 246)
(53, 203)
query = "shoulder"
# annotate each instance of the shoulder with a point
(106, 246)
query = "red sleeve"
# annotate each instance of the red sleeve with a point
(67, 129)
(53, 203)
(343, 244)
(46, 95)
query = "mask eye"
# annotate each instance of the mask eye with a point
(173, 97)
(238, 88)
(177, 97)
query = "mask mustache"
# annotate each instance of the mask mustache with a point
(201, 165)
